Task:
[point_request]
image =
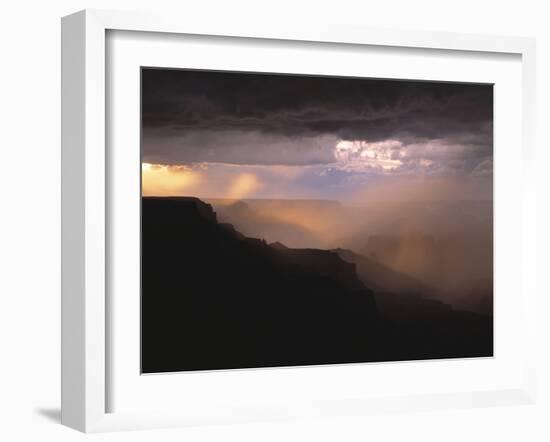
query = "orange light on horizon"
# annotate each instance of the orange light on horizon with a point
(166, 180)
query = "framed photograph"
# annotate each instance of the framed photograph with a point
(264, 222)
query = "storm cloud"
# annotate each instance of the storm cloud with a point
(271, 119)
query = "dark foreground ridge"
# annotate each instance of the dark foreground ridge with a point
(215, 299)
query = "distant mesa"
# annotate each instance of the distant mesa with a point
(275, 220)
(381, 277)
(282, 203)
(397, 295)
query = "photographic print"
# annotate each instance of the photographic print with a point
(293, 220)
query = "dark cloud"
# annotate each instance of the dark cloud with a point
(166, 146)
(194, 116)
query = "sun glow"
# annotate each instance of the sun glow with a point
(166, 180)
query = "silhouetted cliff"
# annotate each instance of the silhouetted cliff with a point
(213, 298)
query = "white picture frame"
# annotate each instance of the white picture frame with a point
(86, 207)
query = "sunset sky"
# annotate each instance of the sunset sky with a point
(239, 135)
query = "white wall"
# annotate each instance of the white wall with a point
(30, 221)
